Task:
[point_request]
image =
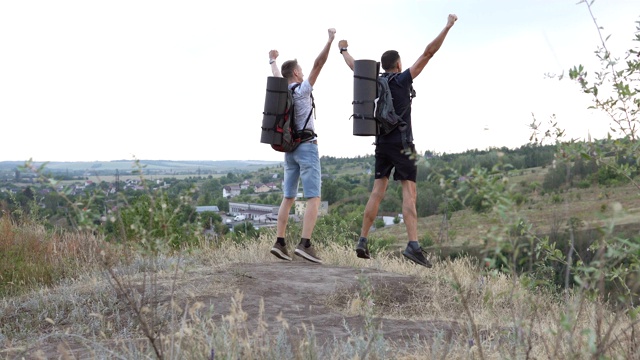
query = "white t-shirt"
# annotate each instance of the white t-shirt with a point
(302, 102)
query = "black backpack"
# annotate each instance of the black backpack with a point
(287, 137)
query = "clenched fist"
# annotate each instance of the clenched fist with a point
(332, 34)
(451, 20)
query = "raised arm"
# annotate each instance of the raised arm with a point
(432, 48)
(273, 55)
(322, 58)
(343, 45)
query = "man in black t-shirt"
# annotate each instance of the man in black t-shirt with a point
(390, 151)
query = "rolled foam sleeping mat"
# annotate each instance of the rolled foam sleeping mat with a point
(365, 73)
(275, 103)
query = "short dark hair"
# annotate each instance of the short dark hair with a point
(288, 67)
(389, 59)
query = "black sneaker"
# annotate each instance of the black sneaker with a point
(362, 249)
(416, 256)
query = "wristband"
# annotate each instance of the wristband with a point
(271, 61)
(342, 49)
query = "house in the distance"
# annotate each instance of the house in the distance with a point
(245, 185)
(261, 188)
(133, 184)
(255, 212)
(301, 206)
(230, 191)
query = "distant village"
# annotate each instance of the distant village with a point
(259, 214)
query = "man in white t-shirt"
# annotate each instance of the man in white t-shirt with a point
(304, 162)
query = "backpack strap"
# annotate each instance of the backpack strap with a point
(363, 101)
(313, 107)
(364, 78)
(412, 92)
(277, 92)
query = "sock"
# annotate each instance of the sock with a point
(305, 242)
(362, 239)
(280, 241)
(415, 245)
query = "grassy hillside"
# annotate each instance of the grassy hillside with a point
(74, 294)
(228, 300)
(548, 212)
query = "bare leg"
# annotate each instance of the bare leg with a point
(310, 217)
(283, 216)
(371, 210)
(409, 196)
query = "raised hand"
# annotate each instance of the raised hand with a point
(451, 20)
(332, 34)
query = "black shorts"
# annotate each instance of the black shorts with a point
(389, 156)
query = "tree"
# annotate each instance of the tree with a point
(157, 221)
(223, 204)
(209, 219)
(613, 91)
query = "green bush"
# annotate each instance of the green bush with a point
(556, 177)
(479, 204)
(583, 184)
(519, 198)
(426, 240)
(155, 221)
(556, 198)
(378, 244)
(245, 231)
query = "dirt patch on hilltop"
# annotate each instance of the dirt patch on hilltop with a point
(327, 300)
(321, 296)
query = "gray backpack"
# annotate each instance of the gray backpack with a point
(384, 111)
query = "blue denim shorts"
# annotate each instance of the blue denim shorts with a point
(303, 163)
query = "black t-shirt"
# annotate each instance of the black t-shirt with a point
(400, 88)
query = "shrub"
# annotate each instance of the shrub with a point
(378, 244)
(556, 198)
(426, 240)
(519, 198)
(584, 184)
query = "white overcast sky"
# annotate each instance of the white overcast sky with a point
(185, 80)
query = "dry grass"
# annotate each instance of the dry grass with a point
(491, 316)
(509, 318)
(33, 257)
